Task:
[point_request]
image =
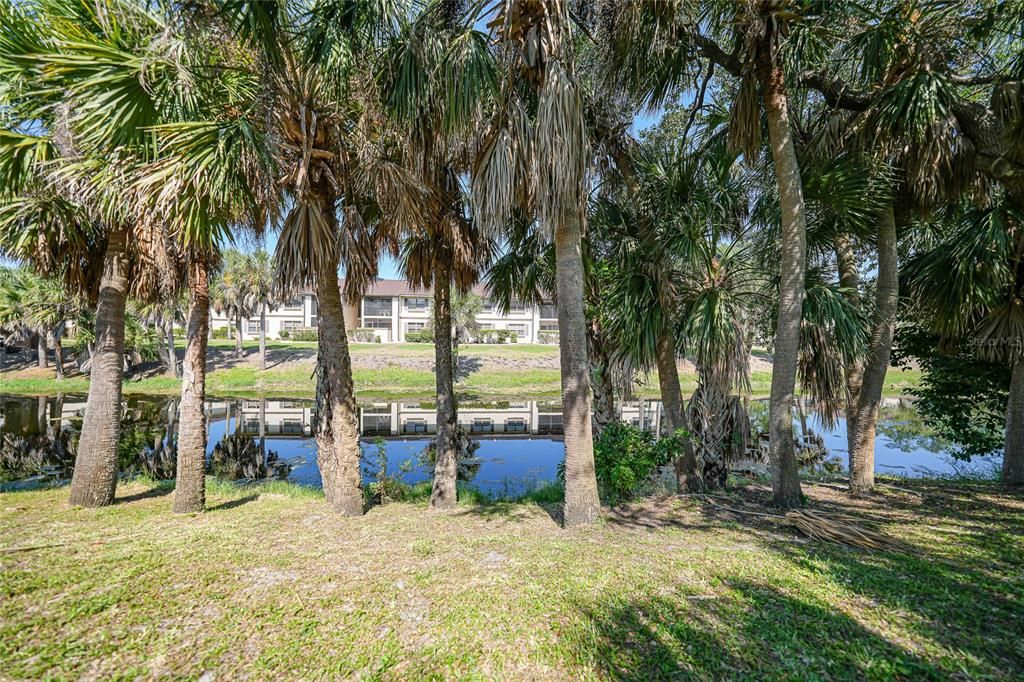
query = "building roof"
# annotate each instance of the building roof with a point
(399, 287)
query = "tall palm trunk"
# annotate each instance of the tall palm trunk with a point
(172, 356)
(849, 279)
(1013, 457)
(41, 360)
(263, 336)
(869, 399)
(58, 356)
(785, 476)
(95, 476)
(446, 463)
(263, 433)
(190, 489)
(337, 438)
(685, 464)
(581, 499)
(239, 353)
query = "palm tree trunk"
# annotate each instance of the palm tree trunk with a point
(338, 451)
(446, 462)
(263, 432)
(58, 357)
(685, 464)
(849, 279)
(239, 353)
(172, 356)
(869, 400)
(190, 488)
(41, 361)
(95, 476)
(1013, 457)
(263, 336)
(582, 504)
(604, 387)
(785, 476)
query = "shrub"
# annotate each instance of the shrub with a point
(284, 334)
(496, 336)
(547, 337)
(422, 336)
(363, 336)
(219, 333)
(302, 335)
(625, 457)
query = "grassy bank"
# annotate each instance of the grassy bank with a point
(390, 382)
(270, 584)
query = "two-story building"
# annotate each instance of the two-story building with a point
(392, 309)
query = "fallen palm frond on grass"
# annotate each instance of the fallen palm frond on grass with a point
(826, 527)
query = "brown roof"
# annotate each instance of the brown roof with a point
(399, 287)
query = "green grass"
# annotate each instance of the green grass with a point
(270, 584)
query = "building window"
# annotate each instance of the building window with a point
(549, 423)
(414, 426)
(415, 326)
(549, 327)
(548, 311)
(250, 405)
(376, 424)
(481, 425)
(521, 330)
(376, 307)
(290, 324)
(516, 425)
(293, 304)
(487, 305)
(252, 426)
(253, 326)
(516, 307)
(416, 304)
(377, 323)
(291, 426)
(486, 325)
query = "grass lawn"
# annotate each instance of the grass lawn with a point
(270, 584)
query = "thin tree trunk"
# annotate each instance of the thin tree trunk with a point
(95, 476)
(1013, 457)
(582, 503)
(446, 462)
(849, 279)
(172, 355)
(58, 357)
(190, 488)
(263, 434)
(869, 400)
(685, 464)
(239, 352)
(41, 360)
(263, 336)
(338, 451)
(785, 476)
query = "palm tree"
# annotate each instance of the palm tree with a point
(229, 295)
(31, 305)
(971, 284)
(67, 205)
(535, 155)
(439, 75)
(258, 284)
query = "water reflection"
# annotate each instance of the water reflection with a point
(511, 446)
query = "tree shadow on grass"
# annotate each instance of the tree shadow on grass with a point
(466, 367)
(159, 490)
(232, 504)
(745, 631)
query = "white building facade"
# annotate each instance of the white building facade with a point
(391, 309)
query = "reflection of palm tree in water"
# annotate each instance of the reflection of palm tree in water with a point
(240, 457)
(465, 452)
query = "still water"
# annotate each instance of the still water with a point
(517, 444)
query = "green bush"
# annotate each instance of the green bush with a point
(219, 333)
(497, 336)
(625, 457)
(547, 337)
(422, 336)
(363, 336)
(283, 334)
(303, 335)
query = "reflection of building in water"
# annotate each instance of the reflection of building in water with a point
(284, 418)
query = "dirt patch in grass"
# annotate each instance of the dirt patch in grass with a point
(663, 588)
